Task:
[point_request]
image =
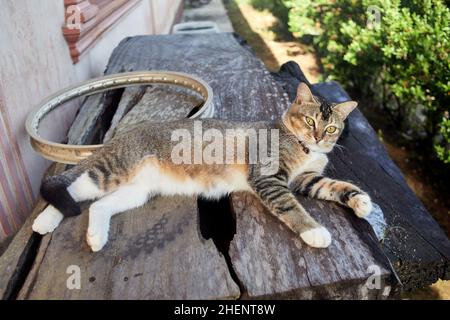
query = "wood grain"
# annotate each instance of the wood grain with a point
(18, 257)
(94, 117)
(272, 262)
(159, 103)
(154, 252)
(130, 97)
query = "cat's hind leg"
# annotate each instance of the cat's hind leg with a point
(62, 192)
(101, 211)
(47, 220)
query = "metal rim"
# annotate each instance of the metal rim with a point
(71, 154)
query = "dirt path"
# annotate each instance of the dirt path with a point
(272, 43)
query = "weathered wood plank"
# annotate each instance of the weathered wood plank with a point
(160, 103)
(130, 96)
(272, 262)
(232, 71)
(154, 252)
(94, 117)
(19, 255)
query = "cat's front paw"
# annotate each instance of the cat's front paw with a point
(317, 237)
(47, 220)
(97, 238)
(361, 204)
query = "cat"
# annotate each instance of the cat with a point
(136, 165)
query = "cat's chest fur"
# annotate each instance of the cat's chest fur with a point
(314, 162)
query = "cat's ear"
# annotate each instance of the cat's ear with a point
(345, 108)
(304, 94)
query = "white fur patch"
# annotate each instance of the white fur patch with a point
(101, 211)
(317, 237)
(234, 182)
(97, 234)
(151, 179)
(361, 204)
(84, 188)
(47, 220)
(316, 162)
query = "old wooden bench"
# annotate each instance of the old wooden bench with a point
(184, 247)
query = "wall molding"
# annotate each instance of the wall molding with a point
(85, 22)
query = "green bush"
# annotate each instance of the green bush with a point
(402, 62)
(439, 147)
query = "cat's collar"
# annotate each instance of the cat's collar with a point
(289, 132)
(302, 144)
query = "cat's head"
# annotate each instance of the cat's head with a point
(316, 123)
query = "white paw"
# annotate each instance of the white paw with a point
(361, 204)
(47, 220)
(317, 237)
(97, 238)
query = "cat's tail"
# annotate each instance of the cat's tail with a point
(54, 191)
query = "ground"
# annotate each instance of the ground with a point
(274, 45)
(272, 42)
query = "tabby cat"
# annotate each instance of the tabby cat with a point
(136, 165)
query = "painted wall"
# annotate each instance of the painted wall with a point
(34, 63)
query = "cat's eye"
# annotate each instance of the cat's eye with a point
(309, 121)
(331, 129)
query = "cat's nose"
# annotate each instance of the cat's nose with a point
(317, 138)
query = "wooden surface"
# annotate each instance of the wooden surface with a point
(154, 252)
(96, 111)
(254, 256)
(129, 98)
(17, 259)
(159, 102)
(272, 262)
